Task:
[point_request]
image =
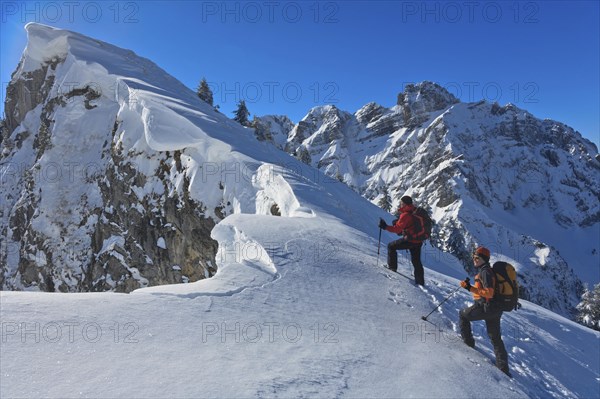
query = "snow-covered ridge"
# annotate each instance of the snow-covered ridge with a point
(138, 161)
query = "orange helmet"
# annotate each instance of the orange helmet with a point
(483, 253)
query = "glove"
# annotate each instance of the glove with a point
(466, 284)
(382, 224)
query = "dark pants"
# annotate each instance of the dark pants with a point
(415, 257)
(492, 323)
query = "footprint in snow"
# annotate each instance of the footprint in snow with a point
(475, 362)
(398, 299)
(389, 276)
(424, 289)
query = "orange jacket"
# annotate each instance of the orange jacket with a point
(483, 289)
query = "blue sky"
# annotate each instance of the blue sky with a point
(285, 57)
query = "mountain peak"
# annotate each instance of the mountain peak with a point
(322, 110)
(44, 45)
(76, 98)
(426, 95)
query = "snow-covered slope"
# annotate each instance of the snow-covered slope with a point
(491, 175)
(298, 306)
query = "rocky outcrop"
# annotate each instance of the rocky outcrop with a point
(321, 126)
(73, 223)
(147, 240)
(378, 121)
(28, 91)
(417, 101)
(273, 129)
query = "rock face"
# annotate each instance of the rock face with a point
(86, 206)
(273, 129)
(417, 101)
(161, 239)
(491, 175)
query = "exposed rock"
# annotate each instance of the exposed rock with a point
(105, 237)
(420, 99)
(28, 91)
(136, 225)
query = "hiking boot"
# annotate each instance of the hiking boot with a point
(470, 343)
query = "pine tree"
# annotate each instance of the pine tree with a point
(204, 92)
(241, 114)
(385, 202)
(589, 308)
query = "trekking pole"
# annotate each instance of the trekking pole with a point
(378, 246)
(441, 303)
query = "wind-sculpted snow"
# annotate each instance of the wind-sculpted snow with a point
(141, 161)
(242, 264)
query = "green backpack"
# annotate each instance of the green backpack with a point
(506, 289)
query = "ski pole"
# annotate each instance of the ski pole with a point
(378, 246)
(441, 303)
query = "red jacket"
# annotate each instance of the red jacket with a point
(405, 222)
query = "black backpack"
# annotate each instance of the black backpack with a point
(506, 288)
(422, 225)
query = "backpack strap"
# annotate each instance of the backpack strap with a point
(489, 272)
(488, 300)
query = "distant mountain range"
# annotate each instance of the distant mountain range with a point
(491, 175)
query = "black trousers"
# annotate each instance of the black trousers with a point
(492, 322)
(415, 257)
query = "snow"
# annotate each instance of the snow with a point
(297, 309)
(110, 243)
(298, 306)
(44, 43)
